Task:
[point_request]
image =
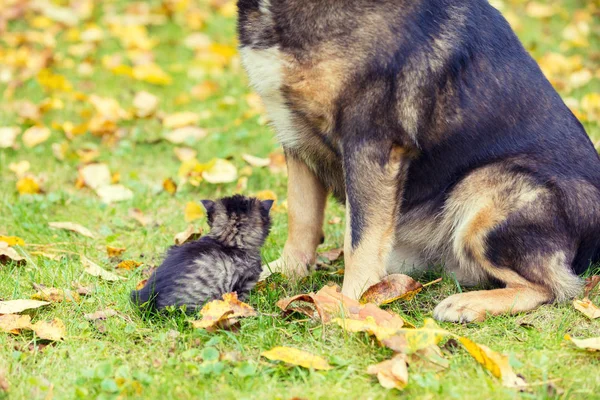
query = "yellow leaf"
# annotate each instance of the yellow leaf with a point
(35, 135)
(12, 240)
(204, 90)
(8, 254)
(587, 308)
(95, 175)
(222, 171)
(13, 323)
(590, 344)
(114, 251)
(223, 313)
(535, 9)
(392, 374)
(145, 104)
(70, 226)
(8, 136)
(185, 153)
(294, 356)
(17, 306)
(367, 325)
(256, 161)
(409, 341)
(55, 295)
(51, 81)
(193, 211)
(169, 186)
(496, 363)
(180, 119)
(151, 73)
(95, 270)
(19, 168)
(114, 193)
(54, 330)
(128, 265)
(189, 234)
(28, 185)
(185, 134)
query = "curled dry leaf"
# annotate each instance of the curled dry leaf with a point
(73, 227)
(223, 313)
(95, 176)
(193, 211)
(496, 363)
(144, 104)
(114, 251)
(8, 254)
(590, 344)
(590, 283)
(95, 270)
(169, 186)
(180, 119)
(186, 134)
(54, 330)
(391, 374)
(12, 240)
(114, 193)
(128, 265)
(294, 356)
(221, 171)
(188, 235)
(587, 308)
(391, 288)
(100, 315)
(256, 161)
(17, 306)
(13, 323)
(55, 295)
(8, 136)
(35, 135)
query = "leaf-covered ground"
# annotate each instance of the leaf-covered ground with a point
(153, 94)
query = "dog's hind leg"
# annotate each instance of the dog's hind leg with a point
(306, 207)
(374, 177)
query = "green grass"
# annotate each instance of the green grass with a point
(136, 357)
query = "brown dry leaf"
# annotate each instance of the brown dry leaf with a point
(185, 153)
(328, 303)
(17, 306)
(590, 344)
(12, 240)
(144, 104)
(95, 176)
(221, 171)
(140, 285)
(186, 134)
(294, 356)
(95, 270)
(169, 186)
(180, 119)
(391, 288)
(8, 254)
(188, 235)
(54, 330)
(587, 308)
(590, 283)
(13, 323)
(139, 216)
(391, 374)
(193, 211)
(223, 313)
(73, 227)
(114, 193)
(128, 265)
(100, 315)
(8, 136)
(256, 161)
(496, 363)
(54, 295)
(35, 135)
(114, 251)
(331, 255)
(28, 185)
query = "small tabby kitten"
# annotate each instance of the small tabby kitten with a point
(227, 259)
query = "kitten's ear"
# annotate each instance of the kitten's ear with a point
(209, 205)
(266, 205)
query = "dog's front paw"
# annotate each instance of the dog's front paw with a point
(288, 266)
(461, 307)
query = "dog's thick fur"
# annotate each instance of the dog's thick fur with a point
(440, 133)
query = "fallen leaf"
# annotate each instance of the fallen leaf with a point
(140, 285)
(186, 134)
(145, 104)
(294, 356)
(368, 325)
(128, 265)
(8, 254)
(19, 168)
(114, 193)
(169, 186)
(54, 330)
(222, 171)
(12, 240)
(391, 288)
(55, 295)
(82, 290)
(329, 256)
(139, 216)
(185, 153)
(188, 235)
(590, 283)
(95, 176)
(13, 323)
(28, 185)
(223, 313)
(334, 221)
(35, 135)
(73, 227)
(587, 308)
(100, 315)
(50, 256)
(590, 344)
(204, 90)
(391, 374)
(193, 211)
(151, 73)
(180, 119)
(430, 358)
(535, 9)
(95, 270)
(498, 364)
(17, 306)
(256, 161)
(114, 251)
(409, 341)
(8, 136)
(4, 385)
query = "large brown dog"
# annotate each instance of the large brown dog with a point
(440, 134)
